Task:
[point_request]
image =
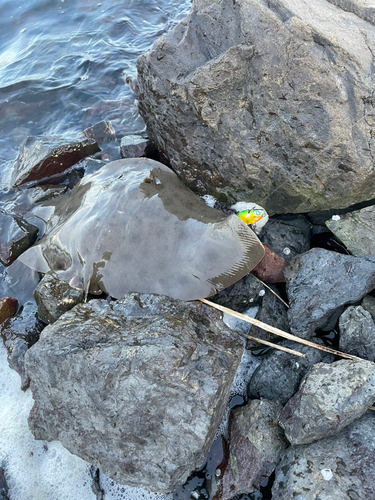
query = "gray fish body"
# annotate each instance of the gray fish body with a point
(134, 226)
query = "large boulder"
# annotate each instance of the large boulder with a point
(270, 101)
(136, 387)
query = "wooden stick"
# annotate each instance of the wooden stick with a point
(270, 344)
(277, 331)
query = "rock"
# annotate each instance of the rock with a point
(319, 282)
(134, 146)
(245, 293)
(287, 235)
(368, 303)
(356, 230)
(136, 387)
(272, 312)
(334, 467)
(49, 157)
(357, 333)
(19, 333)
(16, 236)
(330, 397)
(8, 307)
(224, 94)
(279, 376)
(255, 445)
(47, 192)
(271, 268)
(18, 281)
(104, 134)
(3, 485)
(54, 297)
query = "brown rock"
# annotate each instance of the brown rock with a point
(271, 268)
(49, 157)
(8, 307)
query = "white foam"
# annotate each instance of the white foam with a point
(209, 200)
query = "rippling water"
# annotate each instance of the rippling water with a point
(63, 64)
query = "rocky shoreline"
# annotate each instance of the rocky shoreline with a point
(139, 386)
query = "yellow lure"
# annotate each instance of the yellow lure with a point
(251, 216)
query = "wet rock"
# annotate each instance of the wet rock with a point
(19, 333)
(368, 303)
(3, 485)
(279, 376)
(214, 95)
(287, 235)
(8, 307)
(355, 230)
(256, 443)
(330, 397)
(245, 293)
(54, 297)
(134, 146)
(49, 157)
(104, 134)
(16, 236)
(334, 467)
(47, 192)
(137, 387)
(272, 312)
(91, 165)
(271, 268)
(319, 282)
(357, 333)
(18, 281)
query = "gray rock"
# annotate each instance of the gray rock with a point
(245, 293)
(47, 192)
(287, 235)
(361, 8)
(280, 374)
(134, 146)
(3, 485)
(330, 397)
(16, 236)
(255, 445)
(368, 303)
(228, 96)
(338, 467)
(105, 136)
(49, 157)
(357, 333)
(54, 297)
(356, 231)
(19, 333)
(319, 282)
(136, 387)
(272, 312)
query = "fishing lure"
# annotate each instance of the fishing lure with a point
(251, 216)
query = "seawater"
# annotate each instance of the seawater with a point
(63, 65)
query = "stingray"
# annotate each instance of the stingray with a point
(133, 226)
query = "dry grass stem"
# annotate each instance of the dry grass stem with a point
(278, 296)
(276, 331)
(270, 344)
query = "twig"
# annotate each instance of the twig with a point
(270, 344)
(278, 296)
(277, 331)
